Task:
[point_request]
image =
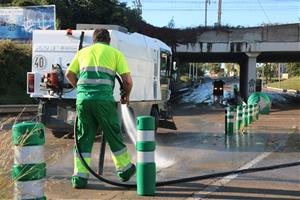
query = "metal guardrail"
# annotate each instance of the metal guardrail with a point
(18, 108)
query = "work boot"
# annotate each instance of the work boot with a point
(125, 176)
(79, 182)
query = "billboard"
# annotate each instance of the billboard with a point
(19, 22)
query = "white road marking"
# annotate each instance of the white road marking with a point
(214, 186)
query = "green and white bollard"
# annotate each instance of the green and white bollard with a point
(230, 117)
(239, 118)
(29, 167)
(250, 114)
(245, 115)
(145, 146)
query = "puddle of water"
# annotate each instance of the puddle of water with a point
(249, 142)
(239, 141)
(199, 95)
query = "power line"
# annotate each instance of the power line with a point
(159, 2)
(227, 4)
(214, 9)
(264, 11)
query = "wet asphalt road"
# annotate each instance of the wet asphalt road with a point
(199, 147)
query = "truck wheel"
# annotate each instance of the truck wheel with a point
(154, 113)
(62, 133)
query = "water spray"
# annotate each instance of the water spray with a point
(128, 123)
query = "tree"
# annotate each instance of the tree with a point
(24, 3)
(215, 68)
(293, 69)
(269, 71)
(230, 67)
(5, 2)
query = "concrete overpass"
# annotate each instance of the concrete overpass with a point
(245, 46)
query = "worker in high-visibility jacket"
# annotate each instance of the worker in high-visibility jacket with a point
(93, 72)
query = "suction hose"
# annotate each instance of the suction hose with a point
(99, 177)
(175, 181)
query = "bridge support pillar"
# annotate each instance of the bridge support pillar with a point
(248, 75)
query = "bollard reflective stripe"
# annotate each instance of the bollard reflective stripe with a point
(29, 167)
(146, 157)
(230, 120)
(29, 154)
(145, 146)
(145, 136)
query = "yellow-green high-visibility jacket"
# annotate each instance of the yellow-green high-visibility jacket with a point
(96, 67)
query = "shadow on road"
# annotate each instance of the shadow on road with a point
(183, 190)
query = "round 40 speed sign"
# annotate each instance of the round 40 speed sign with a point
(39, 62)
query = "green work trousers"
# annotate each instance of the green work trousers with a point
(92, 115)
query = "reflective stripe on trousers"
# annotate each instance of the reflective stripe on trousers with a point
(122, 160)
(79, 168)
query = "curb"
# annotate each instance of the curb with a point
(290, 91)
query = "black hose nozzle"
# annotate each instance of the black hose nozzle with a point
(122, 90)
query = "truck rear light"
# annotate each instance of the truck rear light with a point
(69, 31)
(30, 83)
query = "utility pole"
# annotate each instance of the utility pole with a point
(219, 12)
(279, 74)
(206, 2)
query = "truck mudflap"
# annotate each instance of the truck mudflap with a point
(166, 117)
(58, 117)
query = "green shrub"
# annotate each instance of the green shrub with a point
(15, 62)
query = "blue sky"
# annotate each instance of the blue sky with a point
(190, 13)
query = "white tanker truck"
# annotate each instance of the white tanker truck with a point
(149, 60)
